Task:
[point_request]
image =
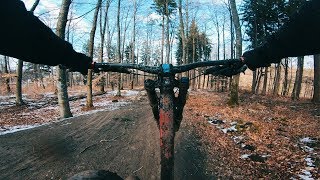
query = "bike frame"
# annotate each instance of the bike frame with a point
(167, 109)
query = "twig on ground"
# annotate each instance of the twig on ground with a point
(88, 148)
(113, 139)
(137, 170)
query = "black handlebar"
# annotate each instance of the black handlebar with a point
(124, 68)
(187, 67)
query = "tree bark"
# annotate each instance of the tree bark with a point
(276, 86)
(316, 81)
(133, 40)
(62, 88)
(91, 49)
(162, 40)
(103, 24)
(7, 80)
(297, 84)
(234, 86)
(119, 48)
(19, 100)
(218, 34)
(183, 37)
(286, 78)
(265, 81)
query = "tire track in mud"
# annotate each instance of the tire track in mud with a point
(124, 141)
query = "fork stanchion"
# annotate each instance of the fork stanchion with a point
(181, 101)
(149, 86)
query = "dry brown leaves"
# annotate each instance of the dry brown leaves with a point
(277, 126)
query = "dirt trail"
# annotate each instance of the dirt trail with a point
(124, 141)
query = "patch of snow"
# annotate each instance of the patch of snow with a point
(306, 140)
(102, 106)
(230, 129)
(13, 129)
(125, 92)
(131, 93)
(266, 155)
(49, 94)
(234, 123)
(65, 124)
(309, 162)
(306, 175)
(238, 139)
(307, 149)
(245, 156)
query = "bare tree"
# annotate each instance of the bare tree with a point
(133, 38)
(63, 99)
(182, 34)
(91, 49)
(297, 84)
(234, 86)
(265, 81)
(103, 28)
(19, 100)
(218, 35)
(276, 83)
(6, 70)
(119, 47)
(286, 78)
(316, 81)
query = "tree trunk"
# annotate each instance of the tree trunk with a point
(277, 80)
(167, 34)
(286, 78)
(119, 47)
(297, 84)
(103, 24)
(91, 49)
(218, 43)
(162, 40)
(7, 79)
(234, 86)
(63, 99)
(223, 37)
(316, 81)
(183, 37)
(259, 76)
(265, 81)
(231, 35)
(193, 60)
(254, 82)
(19, 100)
(133, 40)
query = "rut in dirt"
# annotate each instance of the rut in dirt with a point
(124, 141)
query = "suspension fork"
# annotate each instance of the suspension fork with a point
(167, 111)
(167, 126)
(180, 101)
(150, 87)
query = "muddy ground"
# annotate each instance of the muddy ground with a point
(124, 141)
(264, 137)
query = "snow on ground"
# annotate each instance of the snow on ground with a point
(43, 112)
(125, 93)
(305, 143)
(8, 130)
